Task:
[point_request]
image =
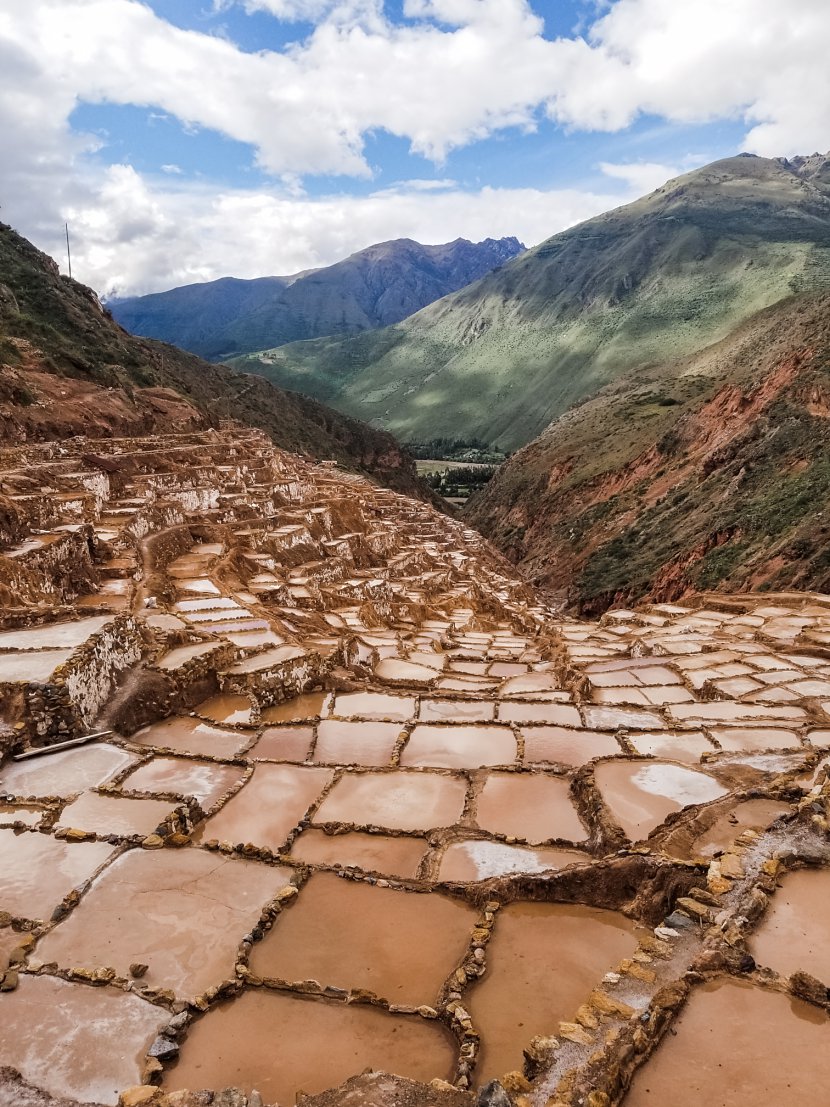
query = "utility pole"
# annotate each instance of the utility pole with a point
(68, 254)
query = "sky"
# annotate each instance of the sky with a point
(184, 140)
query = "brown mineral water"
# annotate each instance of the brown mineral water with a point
(459, 747)
(181, 912)
(61, 1037)
(38, 871)
(282, 1044)
(641, 794)
(793, 934)
(268, 806)
(399, 801)
(371, 852)
(534, 807)
(400, 945)
(735, 1045)
(542, 962)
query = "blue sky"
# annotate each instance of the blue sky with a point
(187, 139)
(547, 157)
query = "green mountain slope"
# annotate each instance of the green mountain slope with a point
(373, 288)
(66, 368)
(708, 473)
(653, 281)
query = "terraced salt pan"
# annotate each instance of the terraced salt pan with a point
(268, 806)
(38, 871)
(20, 813)
(479, 859)
(201, 585)
(53, 635)
(371, 852)
(308, 706)
(761, 1049)
(542, 962)
(641, 794)
(688, 746)
(186, 735)
(65, 772)
(248, 639)
(270, 1041)
(456, 711)
(399, 945)
(355, 743)
(397, 800)
(229, 709)
(283, 743)
(71, 1051)
(738, 739)
(793, 934)
(34, 667)
(554, 745)
(459, 747)
(535, 808)
(553, 714)
(374, 706)
(102, 814)
(755, 814)
(206, 781)
(181, 912)
(183, 655)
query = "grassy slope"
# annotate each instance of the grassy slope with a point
(711, 474)
(51, 327)
(656, 280)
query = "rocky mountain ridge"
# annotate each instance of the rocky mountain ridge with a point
(372, 288)
(652, 282)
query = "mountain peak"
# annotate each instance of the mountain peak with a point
(374, 287)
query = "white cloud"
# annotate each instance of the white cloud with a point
(643, 177)
(454, 72)
(133, 236)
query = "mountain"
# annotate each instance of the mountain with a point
(708, 473)
(67, 368)
(373, 288)
(656, 280)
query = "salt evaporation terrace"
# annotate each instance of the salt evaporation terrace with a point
(357, 799)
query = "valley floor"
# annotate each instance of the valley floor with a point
(355, 798)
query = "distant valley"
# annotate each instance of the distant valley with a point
(375, 287)
(641, 286)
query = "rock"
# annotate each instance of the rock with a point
(230, 1097)
(153, 841)
(573, 1032)
(137, 970)
(807, 987)
(515, 1082)
(493, 1095)
(9, 980)
(164, 1049)
(676, 921)
(598, 1099)
(153, 1070)
(137, 1096)
(607, 1005)
(694, 909)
